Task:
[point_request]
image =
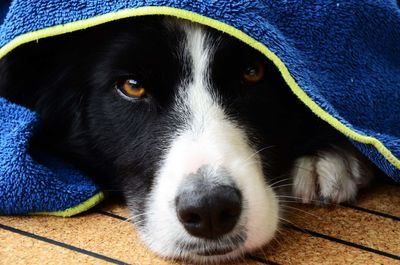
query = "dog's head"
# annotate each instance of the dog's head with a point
(187, 120)
(195, 108)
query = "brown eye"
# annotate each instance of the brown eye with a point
(254, 73)
(132, 88)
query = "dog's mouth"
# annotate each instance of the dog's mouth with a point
(214, 248)
(215, 252)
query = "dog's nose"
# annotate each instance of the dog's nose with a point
(209, 213)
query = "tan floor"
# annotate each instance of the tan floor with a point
(365, 233)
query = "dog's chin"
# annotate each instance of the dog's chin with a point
(216, 256)
(225, 249)
(201, 251)
(206, 251)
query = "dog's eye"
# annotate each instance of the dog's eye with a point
(131, 88)
(254, 73)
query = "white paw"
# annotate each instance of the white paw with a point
(332, 176)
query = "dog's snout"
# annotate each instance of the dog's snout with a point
(209, 213)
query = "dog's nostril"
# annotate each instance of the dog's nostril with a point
(211, 213)
(189, 217)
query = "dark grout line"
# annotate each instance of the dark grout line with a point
(340, 241)
(111, 215)
(63, 245)
(355, 207)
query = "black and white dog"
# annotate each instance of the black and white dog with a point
(198, 130)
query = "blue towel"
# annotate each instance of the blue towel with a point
(32, 181)
(340, 57)
(3, 9)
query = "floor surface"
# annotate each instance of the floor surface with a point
(367, 232)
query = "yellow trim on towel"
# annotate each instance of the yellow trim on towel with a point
(161, 10)
(84, 206)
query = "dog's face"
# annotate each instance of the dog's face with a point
(184, 113)
(189, 123)
(190, 118)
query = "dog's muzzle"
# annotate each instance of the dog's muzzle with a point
(208, 205)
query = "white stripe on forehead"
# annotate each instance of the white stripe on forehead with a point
(200, 51)
(199, 98)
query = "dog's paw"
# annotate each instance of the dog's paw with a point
(331, 176)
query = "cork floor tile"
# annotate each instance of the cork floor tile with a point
(294, 247)
(347, 224)
(18, 249)
(96, 233)
(334, 235)
(383, 198)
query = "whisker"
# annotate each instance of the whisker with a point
(287, 221)
(287, 196)
(137, 215)
(281, 239)
(284, 185)
(280, 181)
(294, 201)
(257, 152)
(302, 211)
(129, 219)
(263, 253)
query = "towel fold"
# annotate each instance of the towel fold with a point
(32, 181)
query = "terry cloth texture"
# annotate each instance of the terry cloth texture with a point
(27, 186)
(340, 57)
(3, 9)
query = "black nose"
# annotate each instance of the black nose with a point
(209, 213)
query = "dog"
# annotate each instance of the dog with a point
(199, 131)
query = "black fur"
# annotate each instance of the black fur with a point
(70, 81)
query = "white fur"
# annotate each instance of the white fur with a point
(208, 138)
(333, 175)
(304, 179)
